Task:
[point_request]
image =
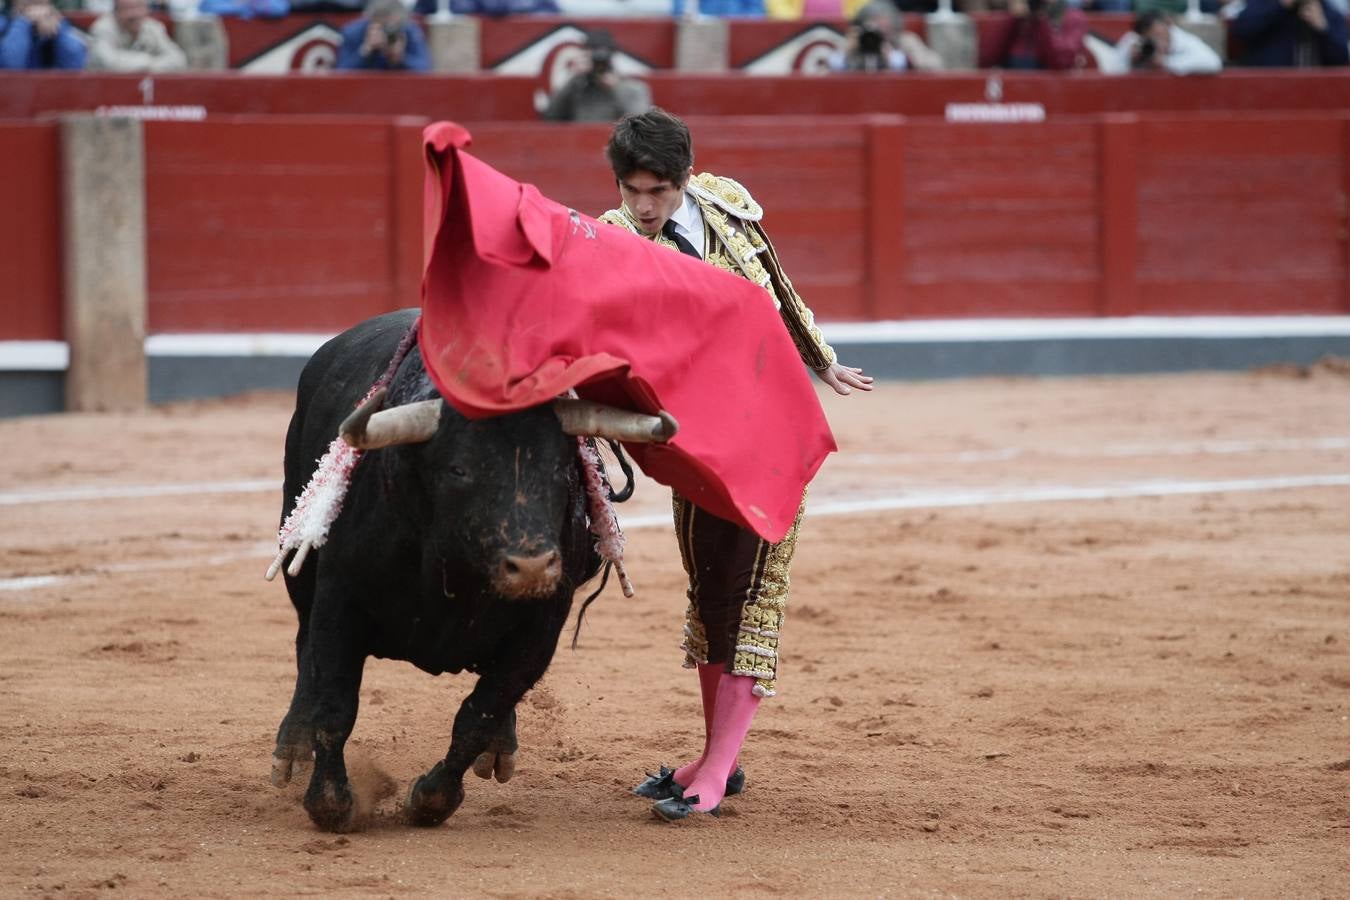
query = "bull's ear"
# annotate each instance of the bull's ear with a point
(370, 427)
(585, 418)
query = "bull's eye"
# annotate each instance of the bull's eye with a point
(458, 472)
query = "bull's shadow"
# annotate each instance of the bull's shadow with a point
(459, 547)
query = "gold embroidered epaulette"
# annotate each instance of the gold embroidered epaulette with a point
(616, 217)
(727, 195)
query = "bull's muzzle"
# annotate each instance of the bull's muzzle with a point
(520, 577)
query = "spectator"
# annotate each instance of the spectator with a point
(597, 93)
(384, 38)
(877, 42)
(493, 8)
(128, 40)
(1034, 34)
(1301, 33)
(35, 36)
(243, 9)
(793, 10)
(1157, 44)
(747, 8)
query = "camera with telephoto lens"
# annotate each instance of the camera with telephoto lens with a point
(602, 60)
(392, 33)
(870, 40)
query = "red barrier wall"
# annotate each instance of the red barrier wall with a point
(300, 225)
(30, 232)
(1266, 201)
(263, 224)
(488, 98)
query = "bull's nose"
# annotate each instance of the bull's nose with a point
(529, 576)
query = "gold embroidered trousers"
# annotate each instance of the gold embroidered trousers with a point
(738, 592)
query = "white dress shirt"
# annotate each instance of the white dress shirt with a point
(688, 219)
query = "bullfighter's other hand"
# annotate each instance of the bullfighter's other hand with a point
(844, 378)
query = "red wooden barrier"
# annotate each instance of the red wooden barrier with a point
(487, 98)
(281, 225)
(30, 233)
(309, 224)
(1264, 201)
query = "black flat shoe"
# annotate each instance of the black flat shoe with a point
(675, 809)
(658, 787)
(736, 782)
(662, 786)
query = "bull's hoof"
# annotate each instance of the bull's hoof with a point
(429, 804)
(288, 761)
(490, 763)
(331, 806)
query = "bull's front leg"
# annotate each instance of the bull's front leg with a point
(337, 659)
(485, 723)
(481, 717)
(499, 759)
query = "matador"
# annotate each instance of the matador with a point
(737, 581)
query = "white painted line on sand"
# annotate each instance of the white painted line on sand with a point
(995, 496)
(31, 581)
(935, 499)
(851, 459)
(136, 491)
(1111, 451)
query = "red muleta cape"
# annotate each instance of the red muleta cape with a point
(523, 298)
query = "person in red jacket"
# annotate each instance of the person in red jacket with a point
(1035, 34)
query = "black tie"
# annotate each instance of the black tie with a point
(668, 230)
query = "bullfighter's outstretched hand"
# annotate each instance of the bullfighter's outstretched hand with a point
(844, 378)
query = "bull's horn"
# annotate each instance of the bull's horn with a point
(582, 417)
(370, 428)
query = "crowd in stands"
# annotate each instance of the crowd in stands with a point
(35, 35)
(1022, 34)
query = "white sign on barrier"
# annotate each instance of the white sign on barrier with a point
(155, 113)
(995, 112)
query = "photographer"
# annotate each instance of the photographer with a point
(384, 39)
(1303, 33)
(597, 93)
(877, 42)
(1157, 45)
(1035, 34)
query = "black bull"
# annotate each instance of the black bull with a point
(459, 552)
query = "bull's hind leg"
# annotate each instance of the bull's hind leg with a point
(336, 661)
(295, 737)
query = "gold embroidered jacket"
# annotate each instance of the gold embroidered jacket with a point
(735, 241)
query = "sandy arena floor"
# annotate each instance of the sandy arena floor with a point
(1048, 638)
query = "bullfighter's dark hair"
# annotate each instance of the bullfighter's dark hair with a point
(654, 141)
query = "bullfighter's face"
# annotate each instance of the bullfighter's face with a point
(651, 199)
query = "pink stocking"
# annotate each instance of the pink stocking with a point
(708, 676)
(734, 711)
